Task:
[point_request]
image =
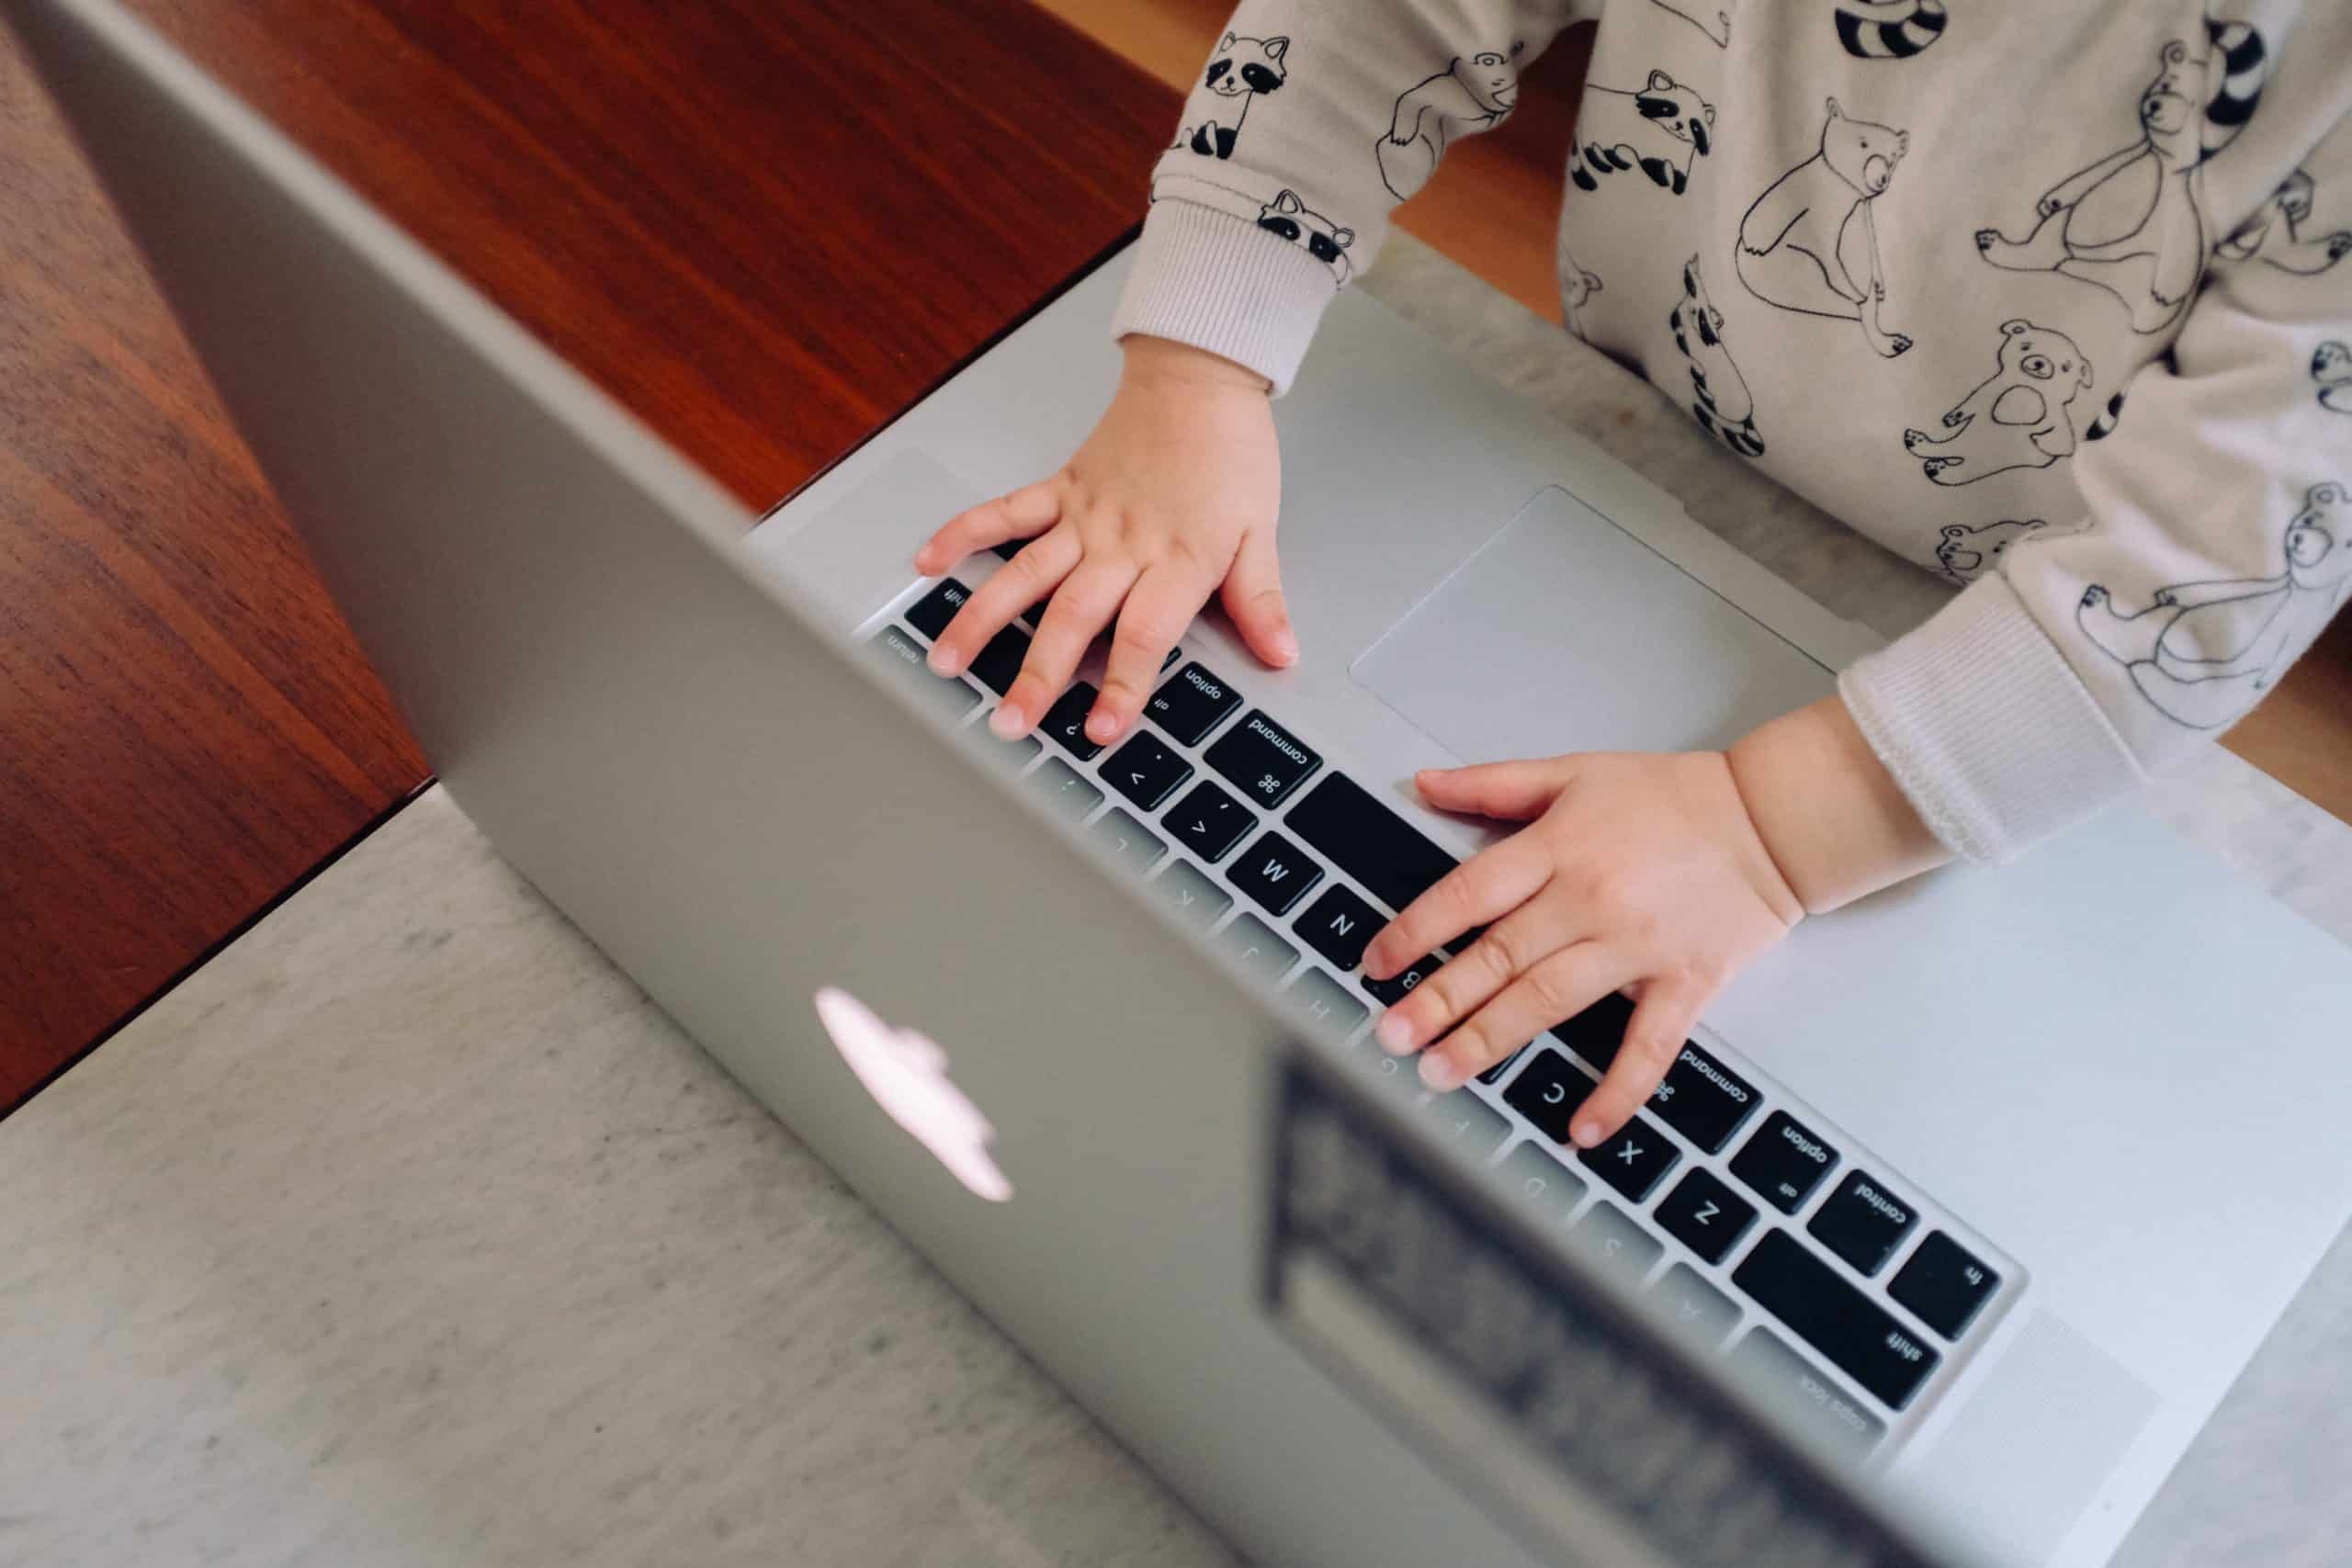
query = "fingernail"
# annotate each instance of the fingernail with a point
(1286, 645)
(1395, 1033)
(1440, 1074)
(1101, 725)
(922, 560)
(943, 661)
(1005, 724)
(1584, 1133)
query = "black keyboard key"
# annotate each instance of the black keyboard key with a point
(1011, 548)
(1208, 821)
(999, 662)
(1633, 1159)
(1146, 771)
(1495, 1074)
(1853, 1333)
(1702, 1099)
(1338, 926)
(1065, 722)
(1788, 1381)
(1705, 1215)
(930, 614)
(1251, 941)
(1261, 759)
(1129, 839)
(1195, 897)
(1320, 998)
(1065, 786)
(1784, 1162)
(1548, 1092)
(1361, 836)
(1393, 989)
(1274, 872)
(1192, 704)
(1598, 1033)
(1943, 1284)
(1170, 657)
(1862, 1223)
(897, 649)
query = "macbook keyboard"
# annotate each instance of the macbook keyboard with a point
(1762, 1230)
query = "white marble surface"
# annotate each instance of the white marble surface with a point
(408, 1232)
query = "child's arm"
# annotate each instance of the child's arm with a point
(2023, 707)
(1253, 228)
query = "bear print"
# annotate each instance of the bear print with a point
(1468, 96)
(2204, 652)
(1576, 286)
(1244, 70)
(1661, 126)
(1965, 554)
(2015, 418)
(2332, 369)
(1723, 406)
(1888, 30)
(1289, 217)
(2130, 222)
(2275, 233)
(1810, 243)
(1718, 34)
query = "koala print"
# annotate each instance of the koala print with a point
(1244, 70)
(2331, 368)
(1718, 33)
(2130, 222)
(1810, 243)
(1661, 126)
(1888, 30)
(2204, 652)
(2275, 233)
(1965, 554)
(1724, 407)
(1576, 286)
(1467, 96)
(2015, 418)
(1289, 217)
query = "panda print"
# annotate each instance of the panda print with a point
(2332, 373)
(1289, 217)
(2015, 418)
(1721, 403)
(1888, 30)
(2274, 233)
(1244, 70)
(2130, 223)
(1660, 128)
(2203, 653)
(1964, 554)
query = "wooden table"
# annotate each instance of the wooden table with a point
(765, 228)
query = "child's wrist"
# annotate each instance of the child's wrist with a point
(1164, 361)
(1831, 817)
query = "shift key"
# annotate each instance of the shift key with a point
(1263, 758)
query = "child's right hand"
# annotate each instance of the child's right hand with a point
(1174, 493)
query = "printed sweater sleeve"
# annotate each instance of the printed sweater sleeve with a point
(2218, 545)
(1309, 123)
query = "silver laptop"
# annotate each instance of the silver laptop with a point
(1940, 1241)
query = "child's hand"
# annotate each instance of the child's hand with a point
(1175, 493)
(1659, 875)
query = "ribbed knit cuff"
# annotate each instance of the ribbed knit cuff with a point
(1216, 282)
(1989, 732)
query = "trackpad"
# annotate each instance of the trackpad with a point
(1564, 632)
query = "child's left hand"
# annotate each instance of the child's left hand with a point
(1661, 875)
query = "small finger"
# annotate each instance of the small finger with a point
(1509, 791)
(1160, 605)
(1024, 513)
(1559, 985)
(1081, 607)
(1020, 582)
(1252, 597)
(1466, 983)
(1663, 1018)
(1485, 887)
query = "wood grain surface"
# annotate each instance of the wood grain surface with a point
(764, 228)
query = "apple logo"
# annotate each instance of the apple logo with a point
(907, 1075)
